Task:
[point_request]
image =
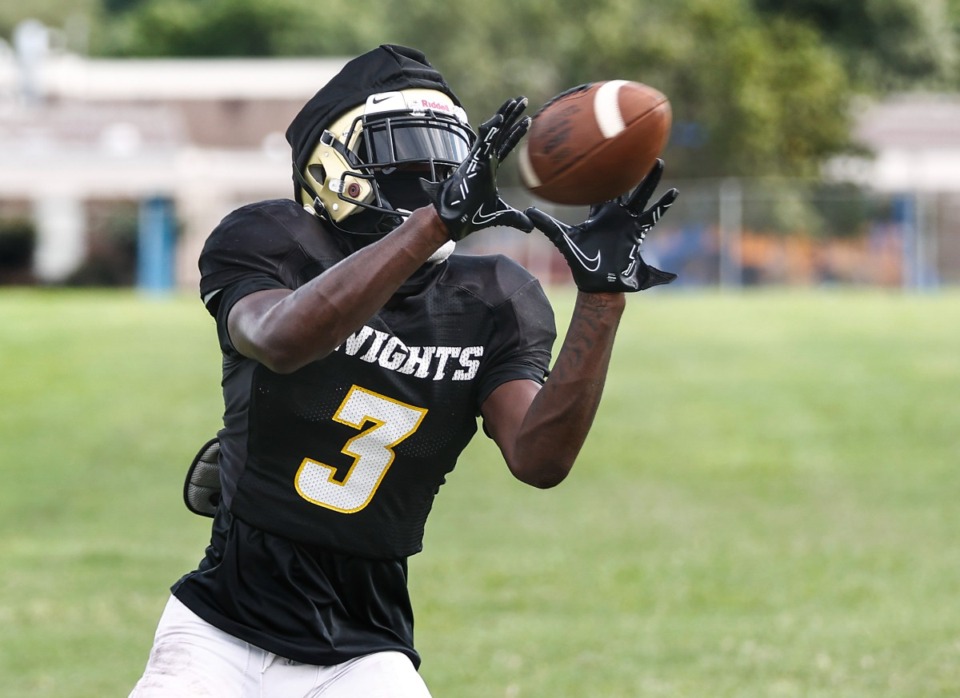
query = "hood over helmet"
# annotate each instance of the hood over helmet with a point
(388, 68)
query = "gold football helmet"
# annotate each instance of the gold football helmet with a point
(372, 157)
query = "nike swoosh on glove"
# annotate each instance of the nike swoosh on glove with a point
(603, 252)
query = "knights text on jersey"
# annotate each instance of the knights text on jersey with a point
(340, 461)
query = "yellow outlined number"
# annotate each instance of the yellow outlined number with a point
(371, 450)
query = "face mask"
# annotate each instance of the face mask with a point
(402, 190)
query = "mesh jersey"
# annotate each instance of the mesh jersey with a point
(340, 461)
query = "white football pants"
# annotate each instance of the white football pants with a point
(193, 659)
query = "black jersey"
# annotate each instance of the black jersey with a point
(329, 472)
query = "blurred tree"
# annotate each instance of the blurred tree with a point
(236, 28)
(749, 97)
(885, 44)
(758, 87)
(753, 99)
(117, 6)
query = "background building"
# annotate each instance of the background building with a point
(182, 141)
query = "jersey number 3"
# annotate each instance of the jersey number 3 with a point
(371, 450)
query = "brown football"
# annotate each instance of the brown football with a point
(594, 142)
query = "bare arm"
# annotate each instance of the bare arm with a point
(540, 430)
(285, 330)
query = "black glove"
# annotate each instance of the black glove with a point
(603, 252)
(201, 487)
(468, 199)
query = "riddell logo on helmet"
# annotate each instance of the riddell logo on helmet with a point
(435, 106)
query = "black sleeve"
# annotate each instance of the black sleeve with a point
(524, 333)
(256, 247)
(247, 243)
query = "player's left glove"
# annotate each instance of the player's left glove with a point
(603, 252)
(201, 488)
(468, 199)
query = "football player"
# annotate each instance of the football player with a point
(358, 354)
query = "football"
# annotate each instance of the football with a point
(594, 142)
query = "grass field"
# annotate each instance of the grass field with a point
(767, 505)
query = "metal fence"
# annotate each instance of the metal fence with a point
(727, 233)
(734, 233)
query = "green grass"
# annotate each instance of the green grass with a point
(766, 506)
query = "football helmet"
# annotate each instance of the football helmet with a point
(364, 173)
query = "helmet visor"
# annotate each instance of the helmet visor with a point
(392, 140)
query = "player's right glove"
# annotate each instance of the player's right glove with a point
(603, 252)
(201, 488)
(468, 199)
